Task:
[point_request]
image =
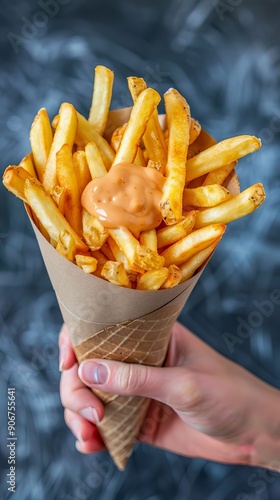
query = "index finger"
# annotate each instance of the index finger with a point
(67, 356)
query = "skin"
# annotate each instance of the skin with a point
(203, 405)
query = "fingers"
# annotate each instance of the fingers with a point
(176, 387)
(67, 356)
(88, 438)
(78, 398)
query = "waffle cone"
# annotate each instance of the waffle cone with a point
(111, 322)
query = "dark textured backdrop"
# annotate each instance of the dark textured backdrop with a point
(224, 56)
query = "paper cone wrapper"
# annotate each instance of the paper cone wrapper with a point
(112, 322)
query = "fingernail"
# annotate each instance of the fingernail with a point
(75, 427)
(62, 357)
(90, 414)
(93, 373)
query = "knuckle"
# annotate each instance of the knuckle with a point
(133, 378)
(188, 395)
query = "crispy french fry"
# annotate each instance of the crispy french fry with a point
(219, 175)
(66, 245)
(47, 212)
(14, 179)
(195, 129)
(119, 256)
(221, 154)
(152, 280)
(184, 249)
(93, 232)
(140, 115)
(115, 273)
(188, 268)
(94, 160)
(58, 194)
(82, 169)
(148, 239)
(205, 196)
(178, 120)
(28, 165)
(64, 134)
(116, 137)
(87, 263)
(55, 121)
(238, 206)
(173, 278)
(136, 254)
(87, 133)
(101, 98)
(116, 140)
(67, 178)
(170, 234)
(41, 138)
(106, 249)
(153, 137)
(101, 260)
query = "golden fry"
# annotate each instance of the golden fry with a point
(178, 120)
(94, 160)
(67, 178)
(101, 98)
(219, 175)
(116, 274)
(101, 260)
(140, 115)
(47, 212)
(153, 137)
(221, 154)
(93, 232)
(170, 234)
(14, 180)
(195, 129)
(238, 206)
(66, 245)
(205, 196)
(137, 255)
(82, 169)
(184, 249)
(87, 263)
(173, 278)
(152, 280)
(188, 268)
(64, 134)
(148, 239)
(120, 256)
(86, 133)
(41, 138)
(58, 194)
(27, 164)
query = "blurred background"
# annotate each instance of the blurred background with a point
(224, 56)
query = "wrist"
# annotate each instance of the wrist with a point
(266, 440)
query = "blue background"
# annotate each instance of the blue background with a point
(224, 57)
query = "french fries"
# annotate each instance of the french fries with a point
(64, 134)
(194, 205)
(238, 206)
(221, 154)
(41, 138)
(101, 98)
(141, 112)
(178, 121)
(205, 196)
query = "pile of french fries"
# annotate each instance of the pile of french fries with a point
(71, 151)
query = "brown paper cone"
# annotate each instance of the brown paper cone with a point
(107, 321)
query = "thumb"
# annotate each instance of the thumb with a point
(175, 387)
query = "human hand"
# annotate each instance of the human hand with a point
(203, 405)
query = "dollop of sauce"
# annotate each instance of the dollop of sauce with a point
(128, 195)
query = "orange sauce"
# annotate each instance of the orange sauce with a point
(128, 195)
